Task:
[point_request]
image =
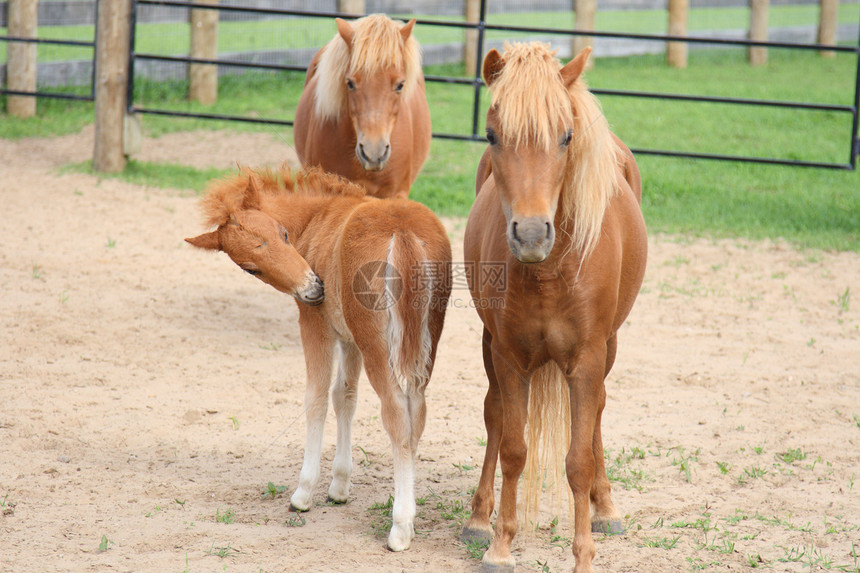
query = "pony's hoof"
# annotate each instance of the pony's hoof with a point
(490, 568)
(400, 537)
(475, 535)
(611, 527)
(338, 493)
(506, 566)
(300, 502)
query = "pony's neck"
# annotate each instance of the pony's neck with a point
(296, 211)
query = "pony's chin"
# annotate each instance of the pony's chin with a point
(316, 301)
(373, 167)
(529, 255)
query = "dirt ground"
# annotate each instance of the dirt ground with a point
(150, 393)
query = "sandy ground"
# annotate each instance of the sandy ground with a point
(148, 390)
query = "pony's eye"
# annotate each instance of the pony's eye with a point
(491, 137)
(350, 84)
(567, 138)
(399, 87)
(252, 272)
(284, 235)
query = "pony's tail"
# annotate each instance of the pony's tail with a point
(411, 290)
(548, 440)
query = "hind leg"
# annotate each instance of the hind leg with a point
(605, 517)
(318, 344)
(478, 527)
(343, 397)
(395, 420)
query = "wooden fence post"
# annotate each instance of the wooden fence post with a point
(828, 19)
(470, 40)
(757, 56)
(112, 36)
(676, 52)
(203, 78)
(21, 57)
(585, 11)
(356, 7)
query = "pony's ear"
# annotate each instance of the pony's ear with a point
(208, 241)
(345, 30)
(406, 30)
(493, 65)
(251, 199)
(571, 72)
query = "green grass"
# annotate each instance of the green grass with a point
(163, 175)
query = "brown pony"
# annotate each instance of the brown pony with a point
(363, 113)
(557, 210)
(386, 270)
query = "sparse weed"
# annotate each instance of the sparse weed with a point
(660, 542)
(273, 490)
(684, 461)
(725, 467)
(456, 511)
(791, 456)
(556, 539)
(843, 301)
(37, 272)
(111, 243)
(222, 552)
(476, 548)
(157, 509)
(105, 544)
(235, 421)
(464, 467)
(620, 470)
(296, 521)
(752, 472)
(226, 517)
(381, 522)
(366, 461)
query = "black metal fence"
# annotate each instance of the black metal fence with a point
(475, 82)
(91, 46)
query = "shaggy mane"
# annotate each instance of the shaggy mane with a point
(377, 45)
(534, 107)
(247, 188)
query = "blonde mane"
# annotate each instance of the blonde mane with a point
(250, 187)
(534, 106)
(377, 45)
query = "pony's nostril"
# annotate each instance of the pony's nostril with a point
(548, 230)
(514, 231)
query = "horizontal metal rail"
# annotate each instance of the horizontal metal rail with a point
(53, 42)
(56, 42)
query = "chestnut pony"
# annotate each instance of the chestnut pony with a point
(386, 270)
(558, 207)
(363, 113)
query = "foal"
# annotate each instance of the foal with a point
(386, 271)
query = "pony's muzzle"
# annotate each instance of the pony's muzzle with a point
(313, 292)
(531, 238)
(373, 155)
